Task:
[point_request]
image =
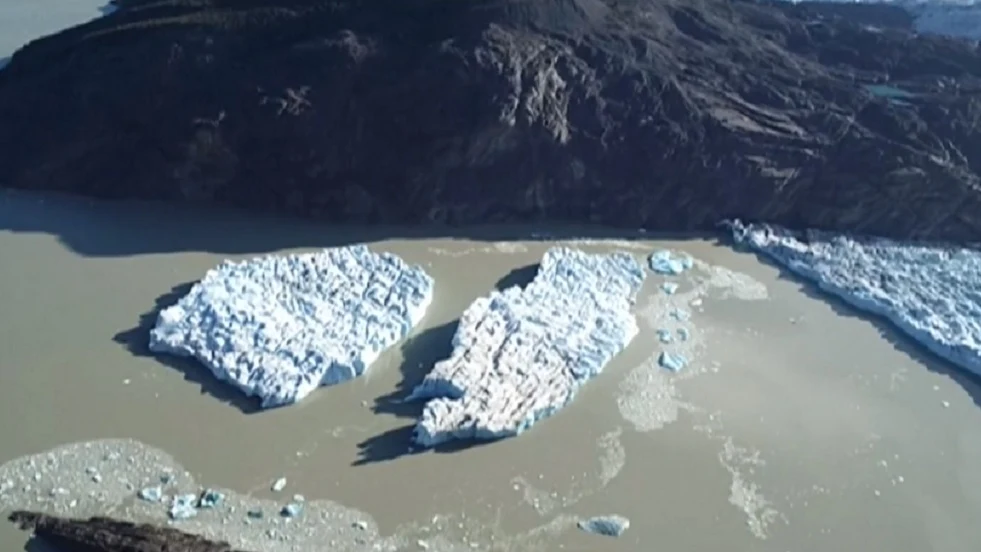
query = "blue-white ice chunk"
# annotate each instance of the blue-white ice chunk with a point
(665, 336)
(520, 355)
(680, 315)
(278, 327)
(670, 287)
(151, 494)
(610, 526)
(183, 507)
(666, 262)
(210, 498)
(931, 293)
(292, 509)
(672, 361)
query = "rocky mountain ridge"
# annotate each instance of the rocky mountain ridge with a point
(667, 115)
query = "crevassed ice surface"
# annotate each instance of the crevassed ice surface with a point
(933, 294)
(278, 327)
(521, 354)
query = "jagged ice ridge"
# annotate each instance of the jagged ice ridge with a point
(520, 355)
(278, 327)
(931, 293)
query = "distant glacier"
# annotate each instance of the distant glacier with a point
(952, 18)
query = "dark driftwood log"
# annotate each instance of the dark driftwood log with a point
(662, 114)
(101, 534)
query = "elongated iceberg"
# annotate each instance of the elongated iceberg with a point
(931, 293)
(278, 327)
(520, 355)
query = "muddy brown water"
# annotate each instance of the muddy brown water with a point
(798, 424)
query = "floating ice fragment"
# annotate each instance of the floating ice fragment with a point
(664, 336)
(279, 327)
(210, 498)
(610, 526)
(279, 485)
(520, 355)
(183, 507)
(932, 293)
(254, 514)
(151, 494)
(680, 315)
(291, 510)
(299, 498)
(664, 262)
(672, 361)
(670, 287)
(683, 334)
(360, 525)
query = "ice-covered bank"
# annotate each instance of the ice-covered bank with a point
(278, 327)
(931, 293)
(23, 22)
(521, 354)
(957, 18)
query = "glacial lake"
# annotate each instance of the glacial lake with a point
(798, 424)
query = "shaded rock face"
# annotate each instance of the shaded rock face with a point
(107, 535)
(661, 114)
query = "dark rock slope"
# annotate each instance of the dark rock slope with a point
(108, 535)
(663, 114)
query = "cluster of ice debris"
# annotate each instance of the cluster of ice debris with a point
(931, 293)
(670, 264)
(278, 327)
(134, 482)
(521, 354)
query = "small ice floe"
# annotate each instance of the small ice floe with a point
(292, 510)
(151, 494)
(664, 262)
(183, 507)
(672, 361)
(210, 498)
(609, 526)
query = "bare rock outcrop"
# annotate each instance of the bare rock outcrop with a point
(659, 114)
(101, 534)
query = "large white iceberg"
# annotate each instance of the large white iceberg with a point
(278, 327)
(931, 293)
(520, 355)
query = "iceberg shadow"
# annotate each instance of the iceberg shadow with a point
(136, 340)
(396, 443)
(35, 544)
(120, 228)
(885, 327)
(521, 277)
(420, 352)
